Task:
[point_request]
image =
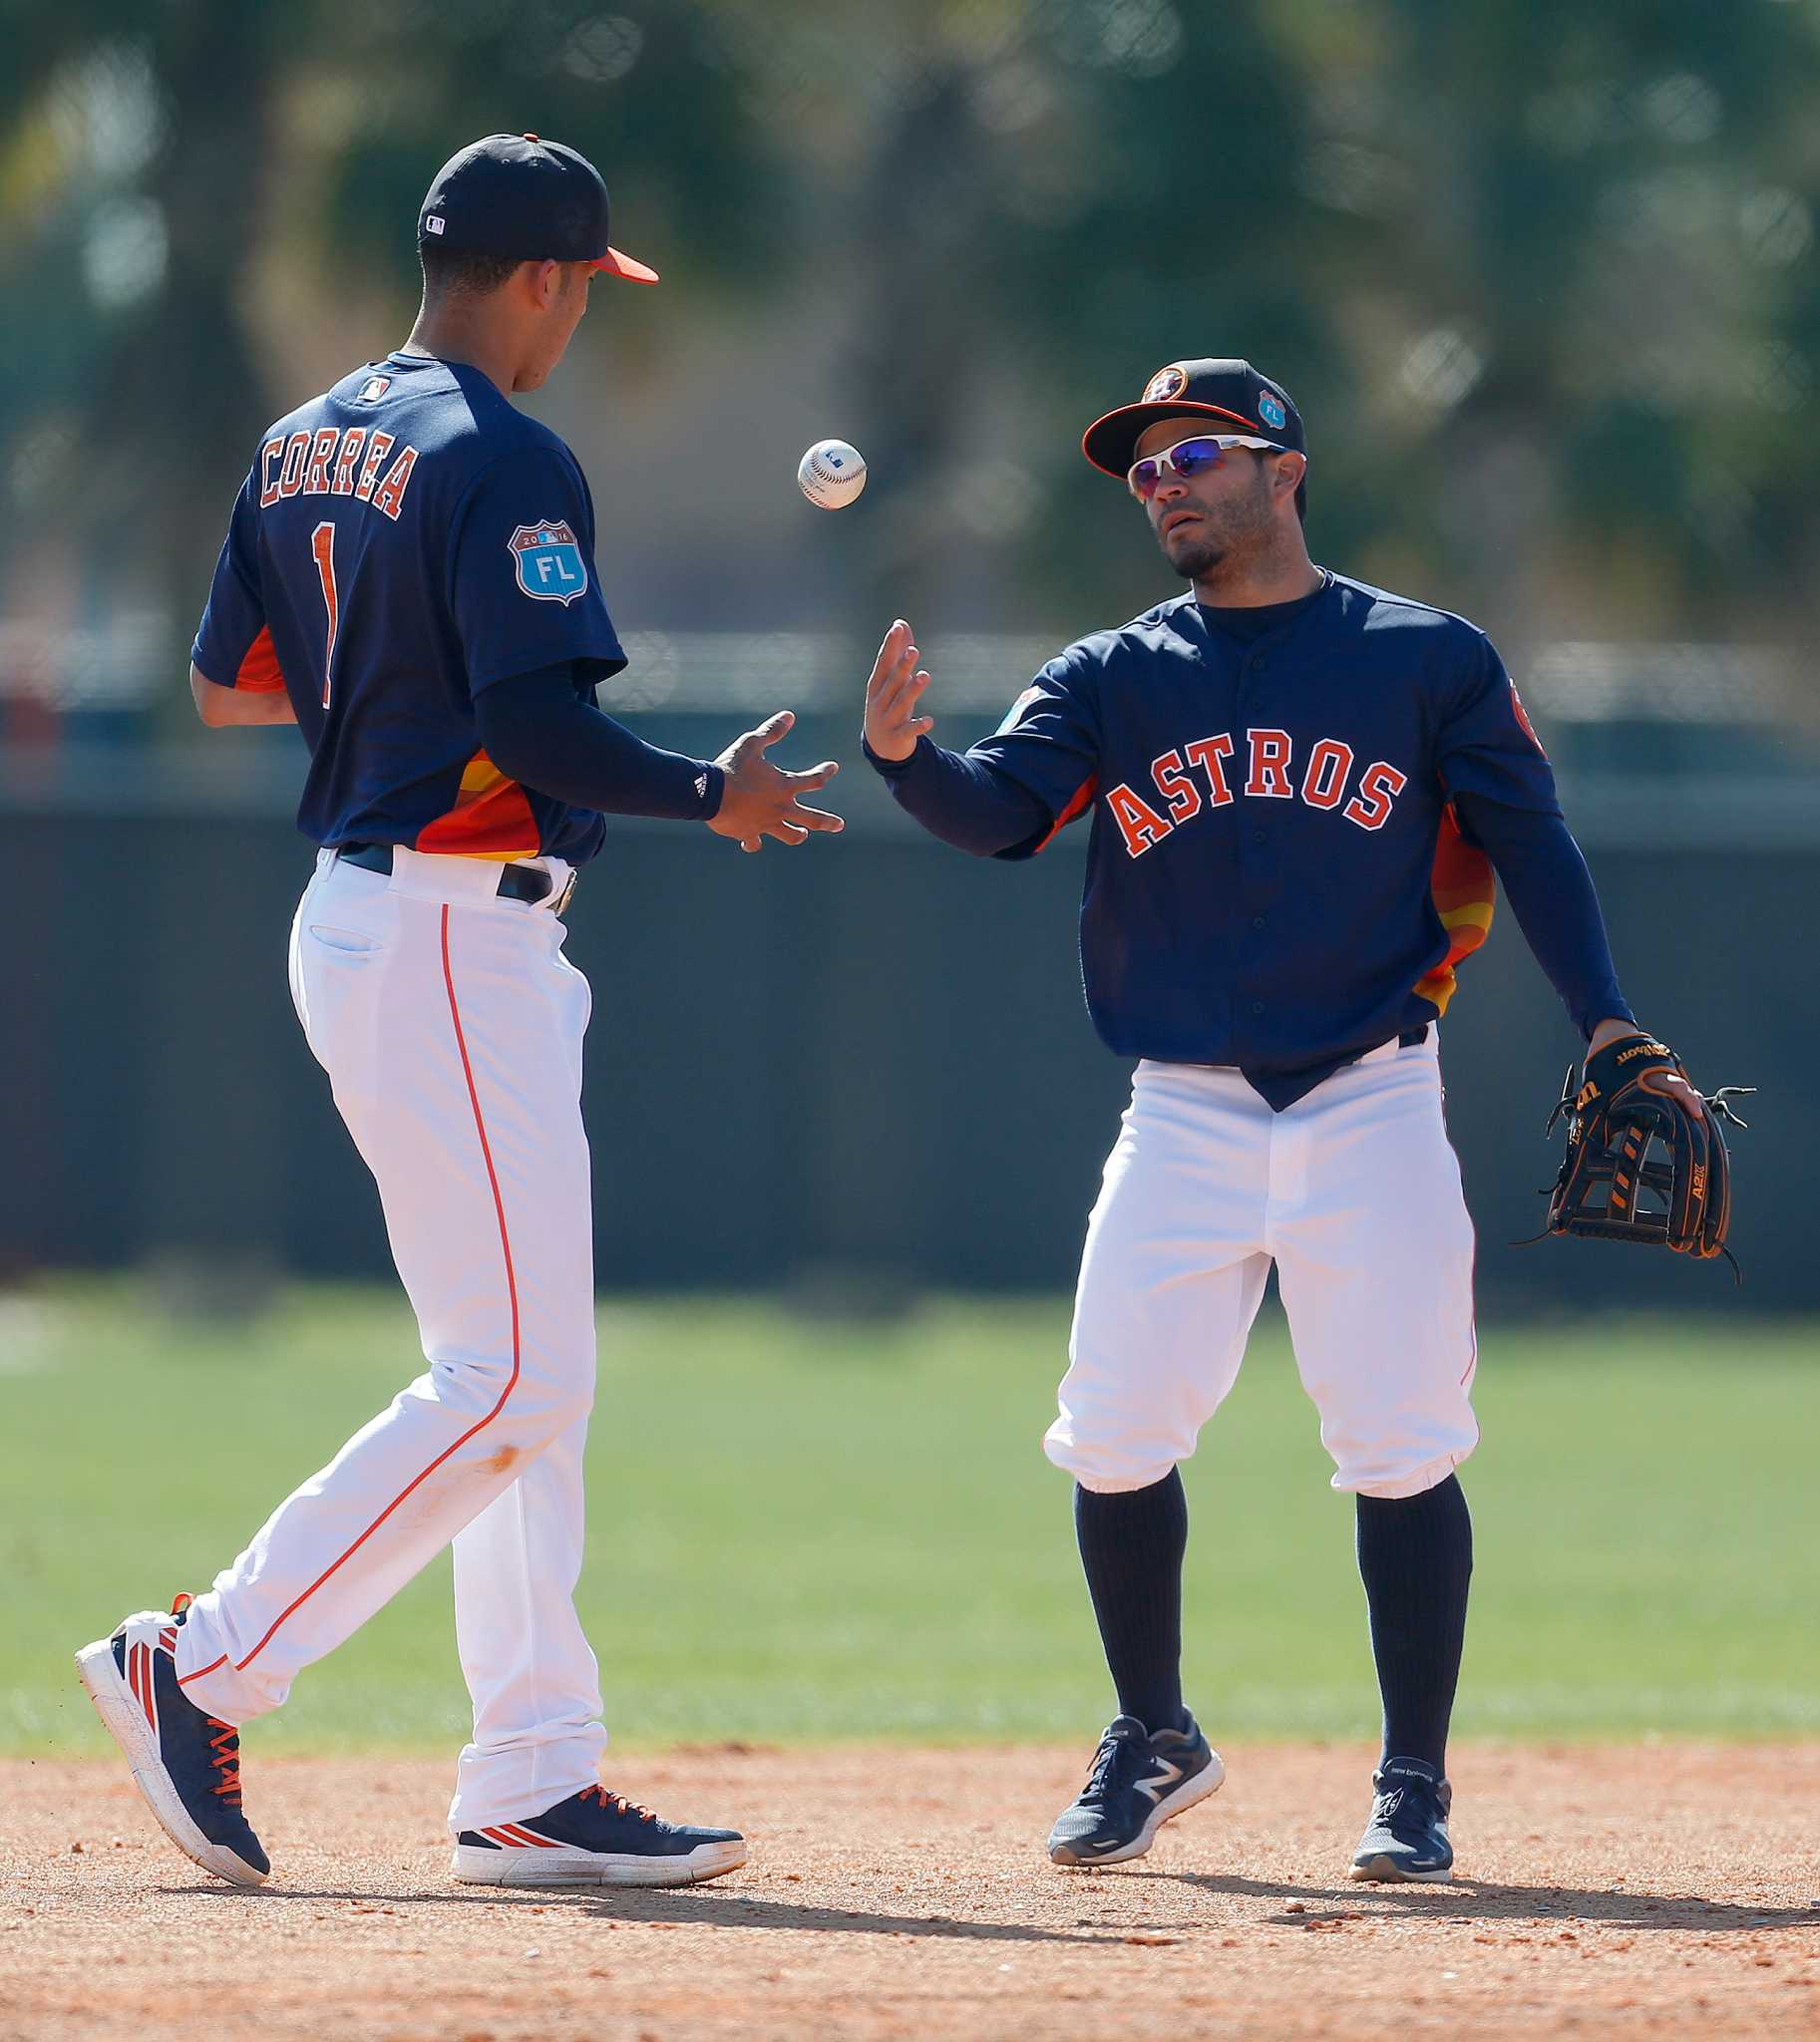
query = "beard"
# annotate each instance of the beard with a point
(1227, 542)
(1196, 553)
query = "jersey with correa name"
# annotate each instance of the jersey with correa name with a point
(1277, 878)
(402, 542)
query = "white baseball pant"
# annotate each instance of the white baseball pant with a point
(449, 1024)
(1354, 1194)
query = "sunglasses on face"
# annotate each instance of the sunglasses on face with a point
(1189, 458)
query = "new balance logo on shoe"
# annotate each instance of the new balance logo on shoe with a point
(1139, 1779)
(1407, 1836)
(1165, 1775)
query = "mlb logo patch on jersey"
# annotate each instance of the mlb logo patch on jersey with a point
(373, 389)
(546, 558)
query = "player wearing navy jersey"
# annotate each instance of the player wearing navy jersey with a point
(409, 575)
(1299, 787)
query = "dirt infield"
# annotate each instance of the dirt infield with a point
(892, 1892)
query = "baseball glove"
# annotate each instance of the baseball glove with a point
(1640, 1164)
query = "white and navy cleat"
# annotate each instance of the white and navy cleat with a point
(1139, 1779)
(185, 1763)
(594, 1839)
(1406, 1836)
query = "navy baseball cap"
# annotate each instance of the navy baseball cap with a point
(519, 196)
(1222, 388)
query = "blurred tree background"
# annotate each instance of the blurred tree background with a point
(1542, 276)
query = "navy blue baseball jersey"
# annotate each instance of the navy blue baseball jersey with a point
(1277, 878)
(404, 542)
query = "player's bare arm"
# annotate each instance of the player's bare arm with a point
(894, 695)
(759, 800)
(219, 707)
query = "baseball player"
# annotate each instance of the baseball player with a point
(409, 575)
(1299, 786)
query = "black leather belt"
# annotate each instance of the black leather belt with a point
(517, 883)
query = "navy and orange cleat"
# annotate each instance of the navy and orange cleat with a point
(185, 1763)
(594, 1839)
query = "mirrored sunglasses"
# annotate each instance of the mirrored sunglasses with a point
(1189, 458)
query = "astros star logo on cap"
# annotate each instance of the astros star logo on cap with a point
(1165, 384)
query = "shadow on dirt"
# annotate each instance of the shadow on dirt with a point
(1303, 1906)
(1483, 1901)
(673, 1906)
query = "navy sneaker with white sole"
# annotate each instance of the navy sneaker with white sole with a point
(1139, 1779)
(1406, 1838)
(594, 1839)
(185, 1762)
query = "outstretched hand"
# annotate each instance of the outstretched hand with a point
(892, 725)
(759, 799)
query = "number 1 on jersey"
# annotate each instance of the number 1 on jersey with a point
(322, 548)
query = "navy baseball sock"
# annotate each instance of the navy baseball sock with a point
(1131, 1550)
(1415, 1559)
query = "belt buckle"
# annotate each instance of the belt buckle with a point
(567, 894)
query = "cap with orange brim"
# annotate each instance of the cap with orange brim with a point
(520, 197)
(615, 264)
(1222, 388)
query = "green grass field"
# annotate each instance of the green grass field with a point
(804, 1529)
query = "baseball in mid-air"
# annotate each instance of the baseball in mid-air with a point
(832, 474)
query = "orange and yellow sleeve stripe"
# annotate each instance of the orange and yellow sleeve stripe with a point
(1465, 894)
